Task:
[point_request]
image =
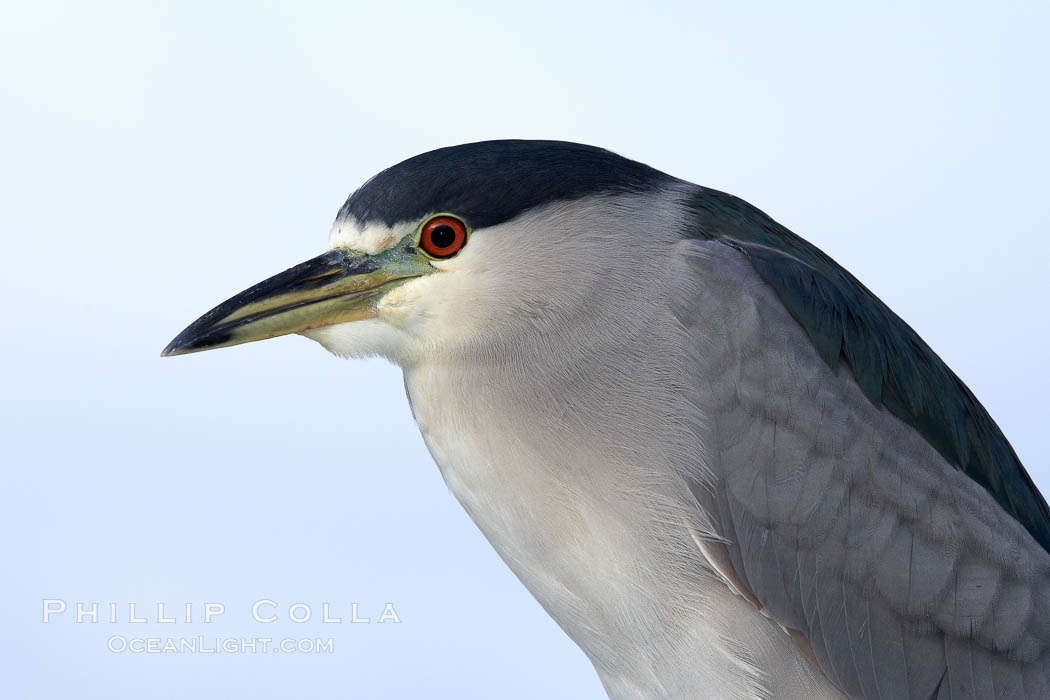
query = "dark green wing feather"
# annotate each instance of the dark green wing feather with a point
(890, 362)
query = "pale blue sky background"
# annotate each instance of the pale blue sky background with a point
(157, 158)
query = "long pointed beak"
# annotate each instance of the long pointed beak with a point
(336, 287)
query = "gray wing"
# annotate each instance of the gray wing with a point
(894, 368)
(906, 575)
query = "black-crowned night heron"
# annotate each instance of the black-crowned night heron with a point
(719, 462)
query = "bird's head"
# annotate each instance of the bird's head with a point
(462, 247)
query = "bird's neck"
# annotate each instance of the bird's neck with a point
(563, 460)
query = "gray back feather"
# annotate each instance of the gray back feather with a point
(843, 518)
(890, 362)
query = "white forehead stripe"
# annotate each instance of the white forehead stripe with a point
(370, 240)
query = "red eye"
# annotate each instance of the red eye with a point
(443, 236)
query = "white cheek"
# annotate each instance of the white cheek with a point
(397, 306)
(416, 307)
(434, 309)
(367, 338)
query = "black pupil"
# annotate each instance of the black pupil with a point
(442, 236)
